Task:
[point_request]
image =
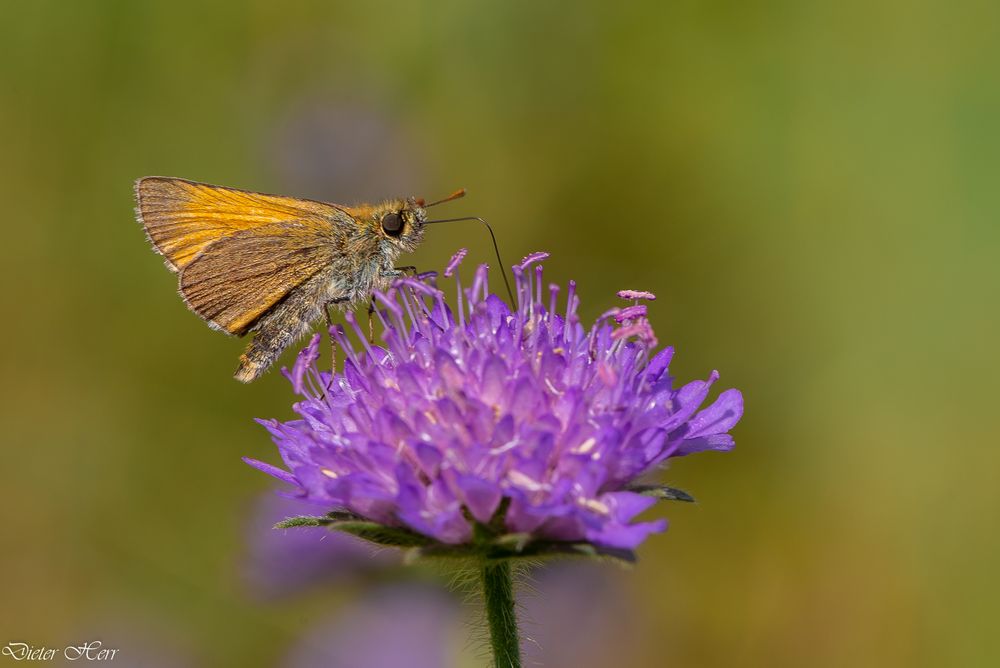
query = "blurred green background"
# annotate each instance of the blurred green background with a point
(811, 189)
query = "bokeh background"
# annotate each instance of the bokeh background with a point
(811, 189)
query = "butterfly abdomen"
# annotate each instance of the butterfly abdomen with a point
(281, 326)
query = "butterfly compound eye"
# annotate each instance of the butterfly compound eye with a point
(392, 224)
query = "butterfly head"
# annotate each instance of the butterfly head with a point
(401, 222)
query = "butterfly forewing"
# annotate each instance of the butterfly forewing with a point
(183, 218)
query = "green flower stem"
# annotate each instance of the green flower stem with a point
(498, 597)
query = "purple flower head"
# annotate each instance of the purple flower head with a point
(474, 424)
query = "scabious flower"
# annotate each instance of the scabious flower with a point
(504, 431)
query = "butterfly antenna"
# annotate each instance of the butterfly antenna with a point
(458, 194)
(496, 248)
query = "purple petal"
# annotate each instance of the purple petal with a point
(687, 401)
(626, 505)
(718, 418)
(481, 496)
(528, 260)
(456, 260)
(636, 294)
(630, 313)
(270, 469)
(305, 360)
(628, 536)
(719, 442)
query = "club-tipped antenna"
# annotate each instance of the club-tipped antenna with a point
(496, 248)
(458, 194)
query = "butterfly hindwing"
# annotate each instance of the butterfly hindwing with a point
(238, 278)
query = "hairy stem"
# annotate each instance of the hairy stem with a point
(498, 597)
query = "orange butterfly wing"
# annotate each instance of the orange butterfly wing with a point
(238, 252)
(237, 279)
(182, 218)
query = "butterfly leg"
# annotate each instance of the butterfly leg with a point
(329, 324)
(371, 321)
(408, 268)
(326, 308)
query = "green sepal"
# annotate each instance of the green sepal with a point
(592, 551)
(514, 542)
(544, 548)
(519, 546)
(302, 521)
(380, 534)
(442, 551)
(661, 492)
(497, 522)
(317, 520)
